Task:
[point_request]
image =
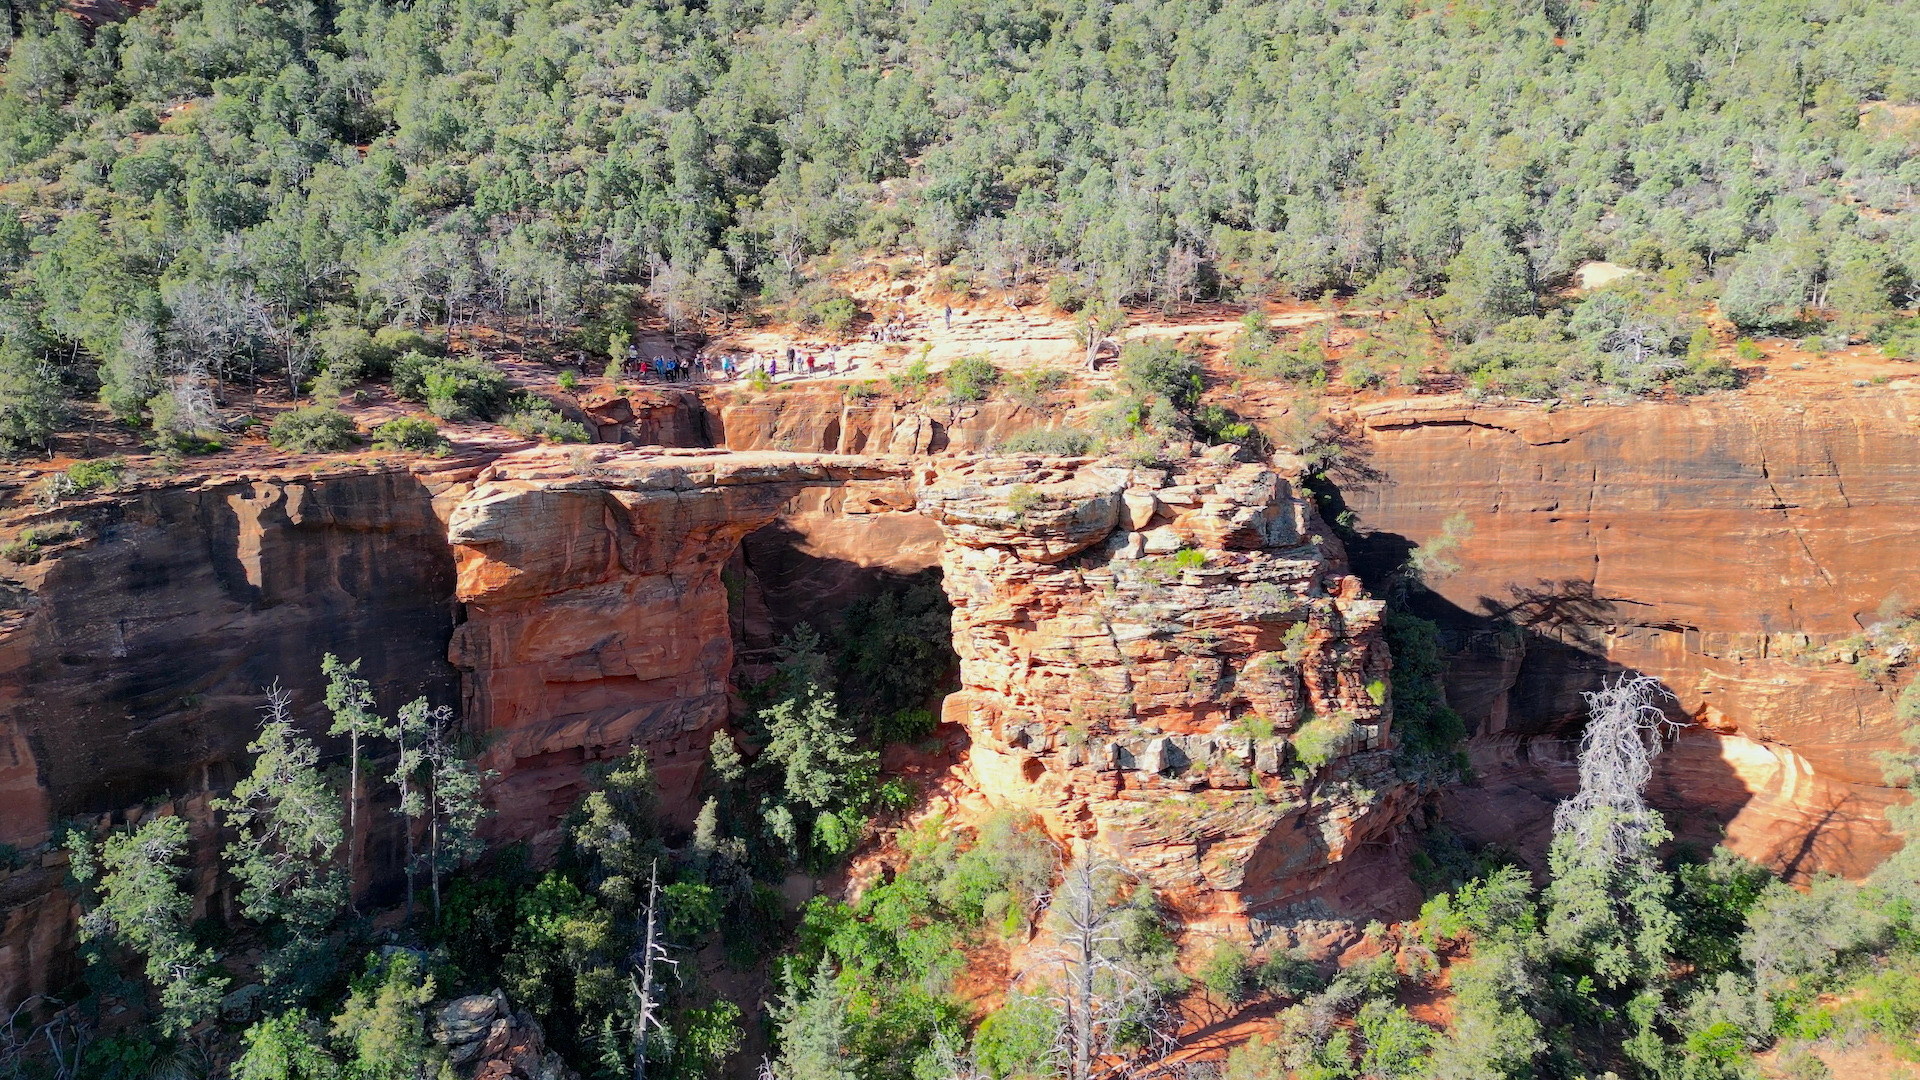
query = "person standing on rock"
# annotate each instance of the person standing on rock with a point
(949, 317)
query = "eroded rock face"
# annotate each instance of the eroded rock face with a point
(487, 1039)
(1143, 655)
(596, 617)
(646, 416)
(134, 658)
(825, 421)
(1729, 546)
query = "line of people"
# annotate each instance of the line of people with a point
(725, 366)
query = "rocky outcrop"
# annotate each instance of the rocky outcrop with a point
(646, 416)
(1734, 546)
(831, 420)
(133, 657)
(1174, 661)
(487, 1039)
(596, 617)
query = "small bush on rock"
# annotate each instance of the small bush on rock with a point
(409, 433)
(315, 429)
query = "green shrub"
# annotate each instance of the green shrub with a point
(409, 433)
(32, 542)
(864, 390)
(453, 388)
(1036, 387)
(1321, 739)
(390, 343)
(313, 429)
(971, 378)
(1022, 499)
(835, 316)
(532, 418)
(1746, 350)
(759, 381)
(350, 353)
(904, 725)
(569, 380)
(1063, 294)
(1157, 368)
(913, 379)
(97, 474)
(33, 404)
(1058, 442)
(1282, 974)
(1227, 973)
(1015, 1041)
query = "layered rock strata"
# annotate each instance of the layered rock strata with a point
(829, 421)
(1175, 661)
(596, 616)
(1737, 547)
(134, 656)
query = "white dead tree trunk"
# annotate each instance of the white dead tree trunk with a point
(1098, 989)
(646, 1017)
(1609, 815)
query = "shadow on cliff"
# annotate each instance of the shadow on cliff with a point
(1517, 666)
(142, 673)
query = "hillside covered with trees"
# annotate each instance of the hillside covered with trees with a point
(219, 190)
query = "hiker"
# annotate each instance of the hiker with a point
(949, 316)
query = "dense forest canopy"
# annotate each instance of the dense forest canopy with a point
(228, 179)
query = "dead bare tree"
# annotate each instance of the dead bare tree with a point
(49, 1050)
(1609, 816)
(652, 948)
(1099, 991)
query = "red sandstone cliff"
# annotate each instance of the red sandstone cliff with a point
(1131, 693)
(1728, 545)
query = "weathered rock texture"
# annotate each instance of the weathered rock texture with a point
(646, 416)
(133, 659)
(487, 1039)
(825, 421)
(596, 617)
(1143, 655)
(1729, 546)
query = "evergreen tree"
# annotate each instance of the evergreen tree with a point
(617, 827)
(456, 811)
(814, 1032)
(289, 825)
(285, 1047)
(410, 732)
(380, 1027)
(143, 906)
(350, 700)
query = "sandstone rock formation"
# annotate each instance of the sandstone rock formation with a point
(1144, 654)
(596, 617)
(826, 421)
(646, 416)
(133, 659)
(487, 1039)
(1729, 546)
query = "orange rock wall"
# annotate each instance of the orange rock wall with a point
(596, 617)
(1150, 703)
(825, 421)
(1727, 545)
(133, 661)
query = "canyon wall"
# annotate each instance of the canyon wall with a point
(828, 420)
(1174, 661)
(1733, 546)
(134, 658)
(596, 615)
